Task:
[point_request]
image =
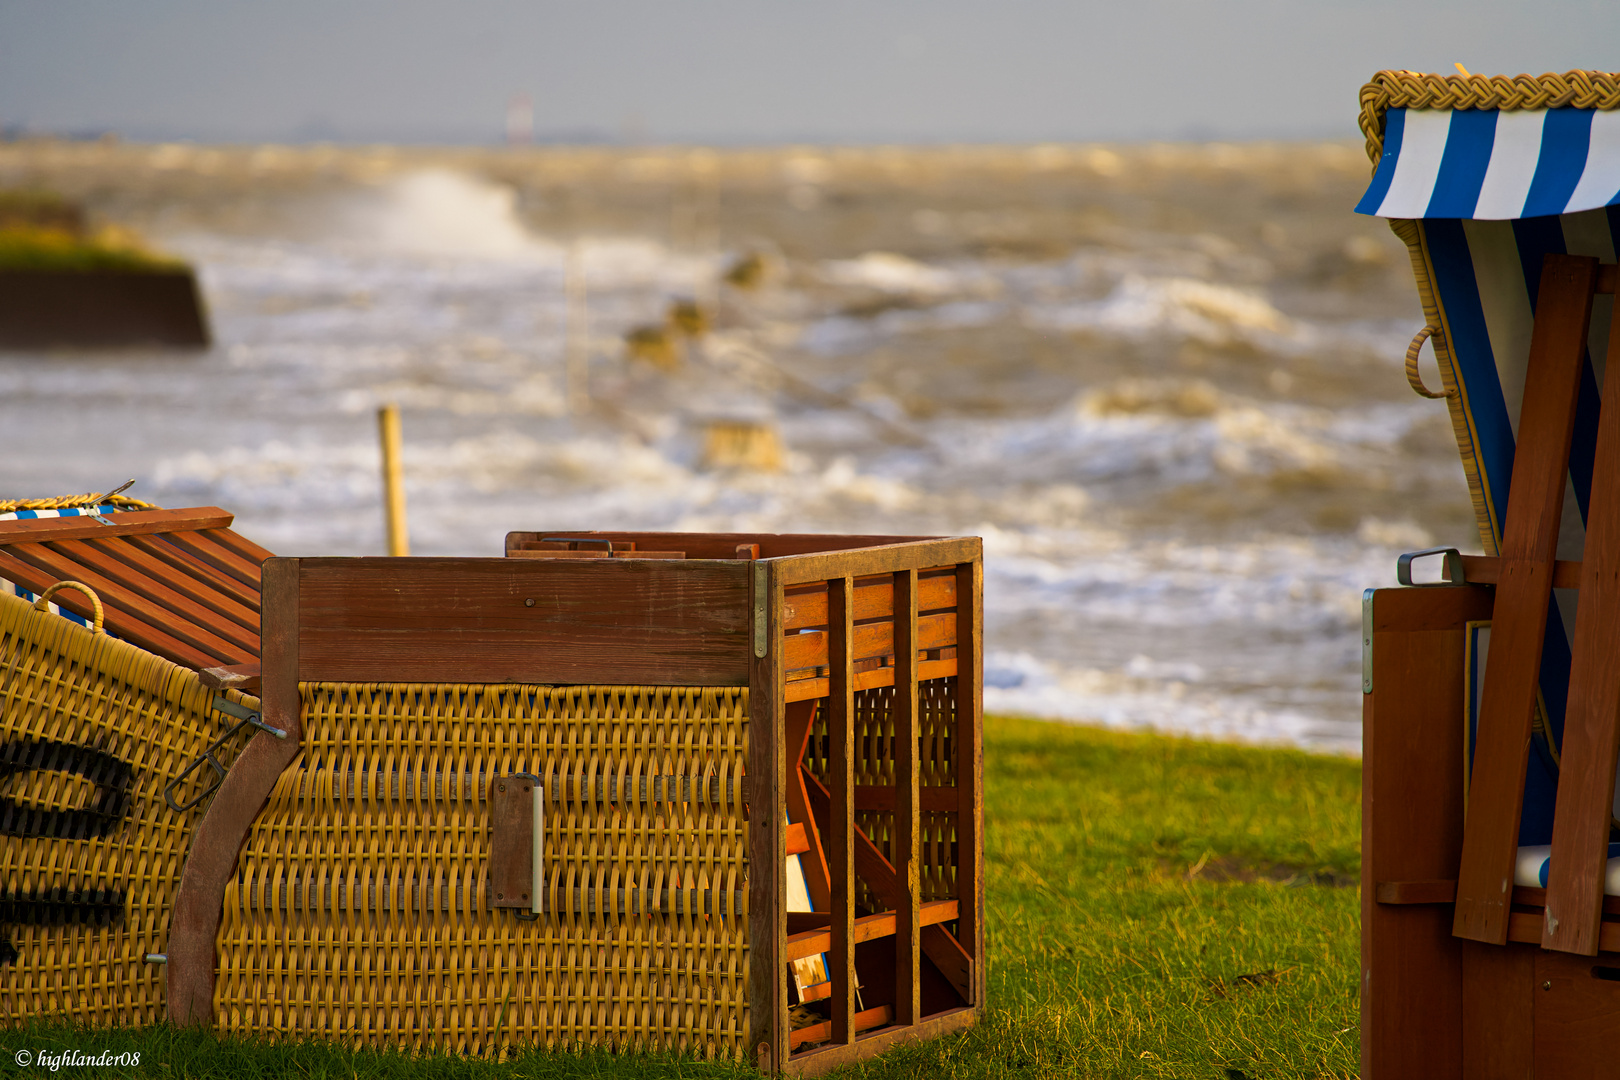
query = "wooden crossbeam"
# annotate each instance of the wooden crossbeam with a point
(1523, 591)
(1580, 840)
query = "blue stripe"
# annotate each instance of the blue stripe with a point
(1462, 167)
(1394, 129)
(1565, 138)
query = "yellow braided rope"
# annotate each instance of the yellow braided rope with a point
(1414, 90)
(68, 502)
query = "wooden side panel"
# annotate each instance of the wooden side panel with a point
(767, 858)
(1580, 840)
(1577, 1016)
(970, 771)
(1498, 1029)
(1519, 621)
(683, 623)
(721, 545)
(1412, 772)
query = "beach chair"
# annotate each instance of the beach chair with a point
(1490, 919)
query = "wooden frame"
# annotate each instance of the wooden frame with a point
(823, 630)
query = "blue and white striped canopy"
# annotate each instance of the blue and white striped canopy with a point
(1495, 166)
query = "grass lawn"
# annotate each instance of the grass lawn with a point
(1157, 908)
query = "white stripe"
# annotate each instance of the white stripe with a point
(1422, 146)
(1506, 302)
(1513, 165)
(1600, 180)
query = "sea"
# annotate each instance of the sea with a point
(1162, 381)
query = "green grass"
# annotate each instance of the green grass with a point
(1108, 959)
(30, 248)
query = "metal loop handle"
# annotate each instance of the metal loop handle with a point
(1413, 378)
(95, 601)
(1454, 573)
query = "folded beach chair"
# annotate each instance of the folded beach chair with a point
(1492, 719)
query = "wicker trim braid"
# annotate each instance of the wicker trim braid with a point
(91, 729)
(1414, 90)
(75, 502)
(358, 910)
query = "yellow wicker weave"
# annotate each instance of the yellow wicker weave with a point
(358, 911)
(62, 683)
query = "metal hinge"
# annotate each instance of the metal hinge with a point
(1366, 639)
(762, 637)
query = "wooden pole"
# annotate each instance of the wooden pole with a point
(393, 476)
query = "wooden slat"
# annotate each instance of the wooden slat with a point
(880, 1016)
(802, 689)
(211, 551)
(1606, 278)
(120, 598)
(809, 649)
(822, 1059)
(1591, 746)
(874, 599)
(193, 587)
(130, 523)
(725, 545)
(180, 606)
(244, 677)
(767, 800)
(931, 799)
(119, 623)
(1416, 892)
(1487, 569)
(159, 548)
(818, 940)
(1519, 620)
(906, 599)
(841, 801)
(884, 559)
(969, 773)
(1498, 1009)
(798, 840)
(469, 620)
(239, 545)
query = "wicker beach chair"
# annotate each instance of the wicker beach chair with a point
(1491, 945)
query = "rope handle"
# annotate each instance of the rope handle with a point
(1413, 377)
(45, 598)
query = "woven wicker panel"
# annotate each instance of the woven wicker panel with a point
(359, 913)
(91, 729)
(874, 765)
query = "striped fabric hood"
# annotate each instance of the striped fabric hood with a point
(1483, 178)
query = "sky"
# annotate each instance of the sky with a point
(753, 71)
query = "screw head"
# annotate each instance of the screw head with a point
(500, 896)
(1547, 985)
(501, 787)
(525, 896)
(529, 602)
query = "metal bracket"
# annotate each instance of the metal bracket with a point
(1366, 639)
(1455, 575)
(762, 637)
(245, 718)
(517, 845)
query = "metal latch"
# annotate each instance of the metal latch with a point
(245, 718)
(1454, 573)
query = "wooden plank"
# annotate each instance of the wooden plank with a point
(767, 861)
(841, 804)
(932, 799)
(511, 843)
(969, 772)
(211, 860)
(809, 649)
(243, 677)
(802, 689)
(1498, 1009)
(874, 598)
(1606, 278)
(1591, 745)
(1525, 927)
(193, 587)
(118, 622)
(1416, 892)
(801, 716)
(906, 592)
(180, 606)
(124, 523)
(203, 546)
(188, 564)
(472, 620)
(1487, 570)
(1519, 620)
(1577, 1012)
(725, 545)
(822, 1059)
(118, 597)
(884, 559)
(881, 1016)
(1411, 829)
(816, 940)
(952, 961)
(237, 544)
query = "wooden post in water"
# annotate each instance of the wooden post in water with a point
(393, 477)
